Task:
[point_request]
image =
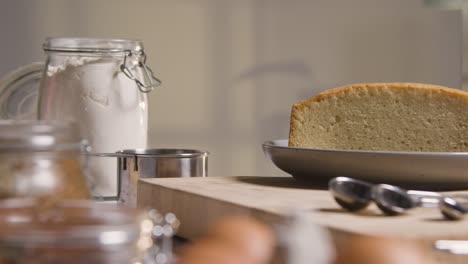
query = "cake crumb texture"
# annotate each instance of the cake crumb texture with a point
(383, 116)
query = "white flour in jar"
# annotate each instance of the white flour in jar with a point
(112, 112)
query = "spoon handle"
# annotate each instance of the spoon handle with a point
(425, 198)
(432, 199)
(457, 247)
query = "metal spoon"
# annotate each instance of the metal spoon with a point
(452, 209)
(393, 200)
(351, 194)
(354, 195)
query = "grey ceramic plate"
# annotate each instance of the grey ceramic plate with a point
(424, 170)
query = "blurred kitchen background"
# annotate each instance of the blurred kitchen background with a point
(232, 69)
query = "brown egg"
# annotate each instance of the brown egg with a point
(367, 250)
(211, 251)
(253, 239)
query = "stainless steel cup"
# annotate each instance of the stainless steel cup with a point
(134, 164)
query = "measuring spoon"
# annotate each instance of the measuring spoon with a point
(351, 194)
(452, 209)
(354, 195)
(393, 200)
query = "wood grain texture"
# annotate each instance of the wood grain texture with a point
(198, 202)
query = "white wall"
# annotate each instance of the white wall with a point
(232, 69)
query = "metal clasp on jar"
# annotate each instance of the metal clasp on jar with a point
(143, 86)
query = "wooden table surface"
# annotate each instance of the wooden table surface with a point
(198, 202)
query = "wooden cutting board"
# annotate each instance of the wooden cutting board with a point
(198, 202)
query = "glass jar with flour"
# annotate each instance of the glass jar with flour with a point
(102, 84)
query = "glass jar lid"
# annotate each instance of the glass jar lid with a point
(96, 47)
(93, 45)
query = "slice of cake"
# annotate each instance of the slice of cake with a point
(383, 116)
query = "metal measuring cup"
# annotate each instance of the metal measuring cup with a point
(135, 164)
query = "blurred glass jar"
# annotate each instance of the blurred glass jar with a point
(41, 159)
(71, 232)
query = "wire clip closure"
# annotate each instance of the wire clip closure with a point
(148, 73)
